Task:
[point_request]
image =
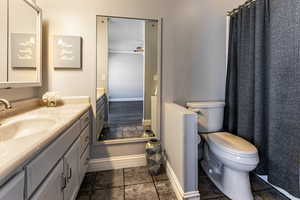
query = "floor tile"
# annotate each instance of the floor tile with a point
(165, 191)
(131, 132)
(137, 175)
(140, 128)
(82, 196)
(161, 176)
(257, 184)
(119, 131)
(109, 179)
(201, 172)
(109, 194)
(144, 191)
(270, 194)
(207, 189)
(219, 198)
(87, 183)
(114, 133)
(129, 128)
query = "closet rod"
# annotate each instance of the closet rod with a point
(247, 3)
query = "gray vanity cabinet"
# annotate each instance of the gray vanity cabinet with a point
(84, 139)
(71, 150)
(57, 171)
(51, 189)
(40, 166)
(71, 166)
(14, 189)
(83, 164)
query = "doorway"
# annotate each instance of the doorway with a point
(128, 68)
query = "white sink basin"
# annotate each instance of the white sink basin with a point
(24, 127)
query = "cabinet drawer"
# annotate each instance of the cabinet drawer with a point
(14, 189)
(52, 187)
(84, 163)
(38, 169)
(84, 139)
(84, 120)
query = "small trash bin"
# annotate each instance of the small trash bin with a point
(153, 155)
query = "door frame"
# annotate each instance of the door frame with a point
(159, 65)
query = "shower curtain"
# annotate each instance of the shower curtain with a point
(263, 86)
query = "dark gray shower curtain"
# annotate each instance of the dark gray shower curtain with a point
(263, 86)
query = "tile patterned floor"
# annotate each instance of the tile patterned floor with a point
(126, 184)
(260, 189)
(125, 121)
(122, 131)
(138, 184)
(136, 130)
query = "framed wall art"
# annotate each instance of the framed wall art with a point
(67, 52)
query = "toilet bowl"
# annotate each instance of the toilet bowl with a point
(227, 158)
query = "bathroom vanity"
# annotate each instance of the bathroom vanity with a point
(44, 152)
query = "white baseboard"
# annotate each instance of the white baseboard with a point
(125, 99)
(147, 122)
(180, 194)
(117, 162)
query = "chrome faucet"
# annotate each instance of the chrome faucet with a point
(6, 103)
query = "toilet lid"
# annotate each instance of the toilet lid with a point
(232, 143)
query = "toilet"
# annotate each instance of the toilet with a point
(227, 159)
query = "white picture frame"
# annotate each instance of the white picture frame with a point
(67, 52)
(23, 50)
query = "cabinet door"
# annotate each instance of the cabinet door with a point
(40, 166)
(14, 189)
(84, 163)
(52, 187)
(71, 166)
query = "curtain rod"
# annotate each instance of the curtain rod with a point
(247, 3)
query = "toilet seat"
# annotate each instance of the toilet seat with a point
(232, 144)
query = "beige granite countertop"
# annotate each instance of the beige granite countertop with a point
(14, 153)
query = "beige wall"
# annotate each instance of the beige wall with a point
(201, 48)
(193, 44)
(3, 41)
(18, 93)
(78, 17)
(125, 76)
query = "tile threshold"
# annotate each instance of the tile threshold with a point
(124, 141)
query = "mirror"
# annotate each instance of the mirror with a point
(20, 38)
(128, 79)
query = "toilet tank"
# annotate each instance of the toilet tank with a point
(210, 115)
